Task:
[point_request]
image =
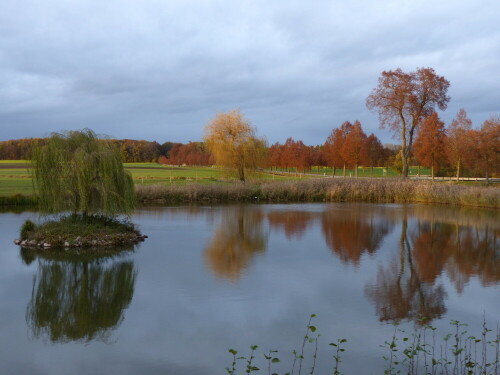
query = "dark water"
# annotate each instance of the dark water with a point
(213, 278)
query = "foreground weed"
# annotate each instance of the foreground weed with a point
(413, 353)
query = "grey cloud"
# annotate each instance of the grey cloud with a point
(160, 70)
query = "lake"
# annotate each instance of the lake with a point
(211, 278)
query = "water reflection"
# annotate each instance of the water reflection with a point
(238, 238)
(399, 291)
(79, 299)
(352, 233)
(410, 285)
(293, 223)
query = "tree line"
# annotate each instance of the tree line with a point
(458, 149)
(405, 103)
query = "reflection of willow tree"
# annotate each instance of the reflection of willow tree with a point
(79, 300)
(400, 291)
(351, 233)
(239, 236)
(294, 223)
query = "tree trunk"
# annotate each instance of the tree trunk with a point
(356, 166)
(458, 170)
(419, 170)
(432, 172)
(241, 173)
(404, 160)
(371, 171)
(343, 173)
(333, 175)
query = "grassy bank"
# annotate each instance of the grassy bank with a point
(327, 190)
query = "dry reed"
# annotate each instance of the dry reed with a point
(326, 190)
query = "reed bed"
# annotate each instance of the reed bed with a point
(325, 190)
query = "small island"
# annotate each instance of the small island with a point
(79, 232)
(81, 179)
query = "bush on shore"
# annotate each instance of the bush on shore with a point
(326, 190)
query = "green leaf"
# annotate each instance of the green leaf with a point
(275, 360)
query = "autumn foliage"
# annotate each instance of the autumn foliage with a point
(429, 144)
(403, 100)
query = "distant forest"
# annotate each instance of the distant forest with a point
(474, 152)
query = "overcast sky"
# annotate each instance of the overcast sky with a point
(160, 69)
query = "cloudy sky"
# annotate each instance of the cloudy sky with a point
(160, 69)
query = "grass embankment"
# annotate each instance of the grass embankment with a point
(80, 232)
(327, 190)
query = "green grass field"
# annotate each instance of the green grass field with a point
(15, 177)
(363, 171)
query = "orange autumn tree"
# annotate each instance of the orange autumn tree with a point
(333, 145)
(457, 143)
(353, 150)
(485, 147)
(403, 100)
(273, 157)
(429, 144)
(374, 152)
(233, 143)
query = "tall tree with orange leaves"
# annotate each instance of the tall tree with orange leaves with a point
(485, 147)
(403, 100)
(429, 144)
(374, 152)
(457, 142)
(353, 150)
(333, 145)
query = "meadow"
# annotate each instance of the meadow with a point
(158, 183)
(15, 176)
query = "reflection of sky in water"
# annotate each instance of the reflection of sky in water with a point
(183, 317)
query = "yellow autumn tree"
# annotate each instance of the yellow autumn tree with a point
(233, 143)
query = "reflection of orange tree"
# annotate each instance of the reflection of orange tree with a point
(79, 300)
(462, 251)
(239, 237)
(477, 254)
(294, 223)
(399, 291)
(351, 233)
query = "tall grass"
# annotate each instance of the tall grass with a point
(328, 190)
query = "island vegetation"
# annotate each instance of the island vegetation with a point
(83, 178)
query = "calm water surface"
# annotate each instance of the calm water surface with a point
(213, 278)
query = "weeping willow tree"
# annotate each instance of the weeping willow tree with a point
(233, 143)
(75, 171)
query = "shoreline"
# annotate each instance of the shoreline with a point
(312, 190)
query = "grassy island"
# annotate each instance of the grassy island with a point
(76, 231)
(79, 173)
